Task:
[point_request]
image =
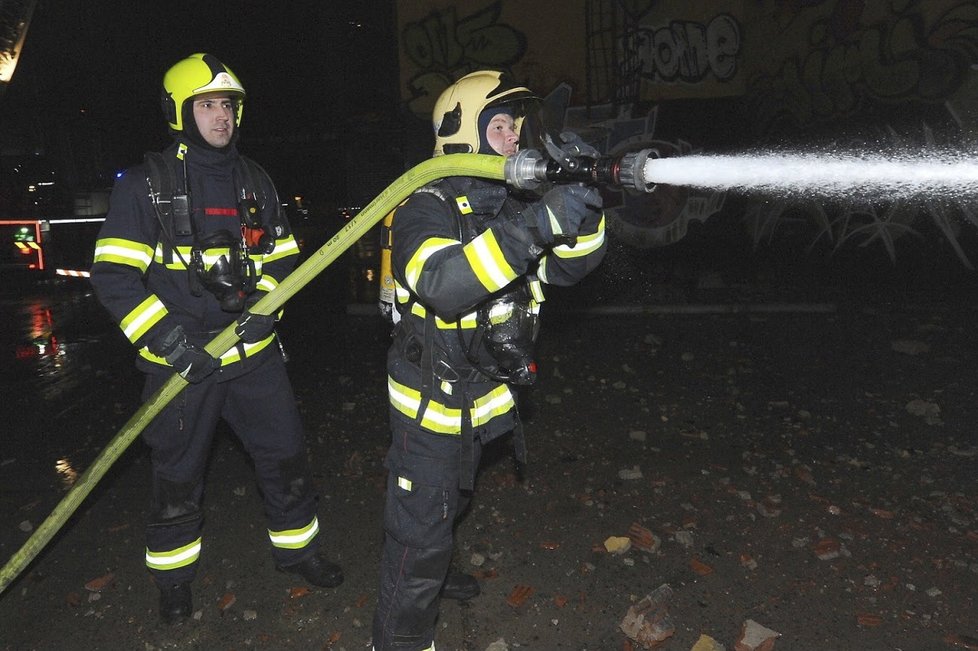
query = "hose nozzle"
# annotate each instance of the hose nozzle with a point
(527, 169)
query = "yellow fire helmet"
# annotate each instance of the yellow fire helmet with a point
(456, 114)
(197, 74)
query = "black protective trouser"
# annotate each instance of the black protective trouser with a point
(260, 407)
(423, 502)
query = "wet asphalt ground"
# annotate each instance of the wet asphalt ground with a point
(796, 455)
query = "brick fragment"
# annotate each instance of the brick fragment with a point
(643, 538)
(298, 592)
(519, 595)
(869, 620)
(226, 601)
(700, 567)
(99, 583)
(827, 548)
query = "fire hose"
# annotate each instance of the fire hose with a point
(524, 170)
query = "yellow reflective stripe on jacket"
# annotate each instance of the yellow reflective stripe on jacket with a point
(415, 265)
(467, 320)
(145, 315)
(284, 247)
(171, 560)
(586, 245)
(405, 399)
(208, 257)
(266, 283)
(230, 357)
(488, 262)
(183, 253)
(446, 420)
(495, 403)
(441, 418)
(295, 538)
(120, 251)
(403, 296)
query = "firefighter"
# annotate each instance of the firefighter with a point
(469, 259)
(193, 238)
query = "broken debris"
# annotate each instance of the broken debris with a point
(617, 544)
(756, 637)
(707, 643)
(648, 622)
(519, 595)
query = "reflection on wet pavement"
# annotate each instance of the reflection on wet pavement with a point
(57, 344)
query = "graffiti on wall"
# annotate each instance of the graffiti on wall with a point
(686, 51)
(856, 54)
(443, 46)
(900, 76)
(768, 69)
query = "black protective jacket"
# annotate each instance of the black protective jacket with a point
(140, 269)
(456, 243)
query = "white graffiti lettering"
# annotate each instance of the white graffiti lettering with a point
(687, 51)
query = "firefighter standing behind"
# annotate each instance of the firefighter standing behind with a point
(469, 257)
(189, 244)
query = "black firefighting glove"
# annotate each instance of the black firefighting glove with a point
(191, 362)
(572, 145)
(252, 328)
(557, 217)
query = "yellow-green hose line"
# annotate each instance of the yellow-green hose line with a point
(490, 167)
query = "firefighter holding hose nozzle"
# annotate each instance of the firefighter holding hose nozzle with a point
(469, 260)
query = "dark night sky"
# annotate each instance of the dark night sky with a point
(309, 67)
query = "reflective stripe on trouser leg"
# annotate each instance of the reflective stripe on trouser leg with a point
(180, 438)
(295, 538)
(175, 558)
(261, 410)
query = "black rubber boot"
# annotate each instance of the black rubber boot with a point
(317, 571)
(176, 603)
(459, 586)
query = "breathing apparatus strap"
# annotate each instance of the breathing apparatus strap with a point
(171, 201)
(466, 451)
(252, 201)
(427, 364)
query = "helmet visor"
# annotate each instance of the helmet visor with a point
(536, 122)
